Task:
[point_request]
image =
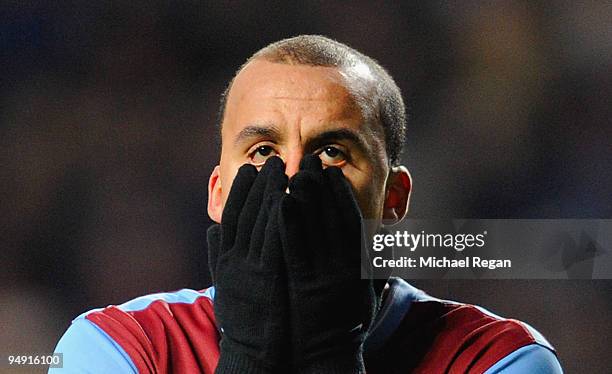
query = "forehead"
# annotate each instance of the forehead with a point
(263, 86)
(264, 79)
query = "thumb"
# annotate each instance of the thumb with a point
(213, 237)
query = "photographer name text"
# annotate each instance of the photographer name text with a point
(432, 262)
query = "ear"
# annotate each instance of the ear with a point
(215, 198)
(399, 185)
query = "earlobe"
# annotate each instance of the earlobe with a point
(215, 197)
(399, 186)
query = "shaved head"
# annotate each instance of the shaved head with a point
(373, 89)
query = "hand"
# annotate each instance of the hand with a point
(248, 272)
(331, 307)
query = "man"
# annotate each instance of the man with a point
(311, 135)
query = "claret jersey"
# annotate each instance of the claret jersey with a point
(413, 333)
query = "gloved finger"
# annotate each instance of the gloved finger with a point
(277, 180)
(275, 187)
(346, 215)
(292, 234)
(342, 191)
(306, 185)
(311, 162)
(270, 255)
(253, 204)
(235, 201)
(213, 237)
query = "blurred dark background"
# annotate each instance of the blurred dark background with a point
(107, 135)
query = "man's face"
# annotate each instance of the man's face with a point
(292, 110)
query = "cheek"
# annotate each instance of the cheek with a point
(369, 194)
(227, 174)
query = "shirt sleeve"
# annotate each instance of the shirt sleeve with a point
(533, 358)
(86, 348)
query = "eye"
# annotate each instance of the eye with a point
(260, 154)
(332, 156)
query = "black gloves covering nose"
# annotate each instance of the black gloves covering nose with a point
(248, 273)
(286, 268)
(331, 307)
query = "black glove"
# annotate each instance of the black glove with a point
(248, 273)
(331, 306)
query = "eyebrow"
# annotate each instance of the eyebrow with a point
(339, 134)
(257, 131)
(270, 131)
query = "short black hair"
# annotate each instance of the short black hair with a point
(316, 50)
